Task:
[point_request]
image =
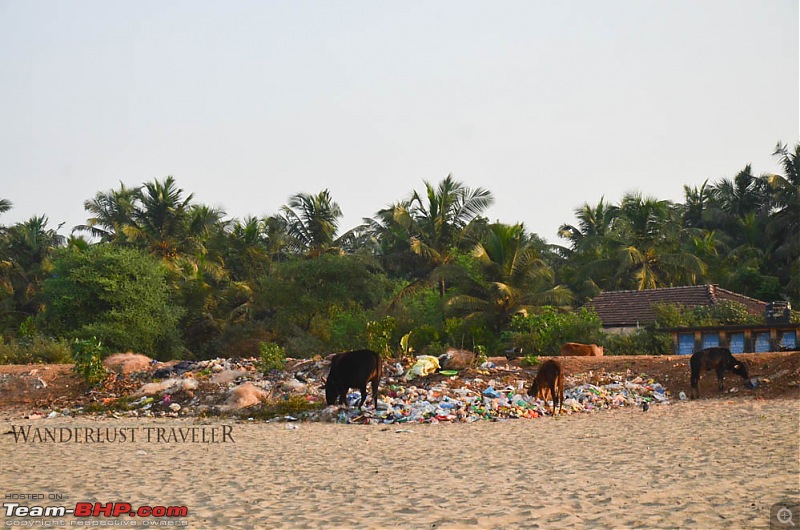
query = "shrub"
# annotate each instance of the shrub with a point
(722, 313)
(379, 335)
(304, 345)
(272, 356)
(88, 357)
(470, 334)
(422, 336)
(293, 406)
(33, 350)
(641, 342)
(118, 295)
(545, 332)
(347, 329)
(531, 360)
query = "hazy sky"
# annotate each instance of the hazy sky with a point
(549, 104)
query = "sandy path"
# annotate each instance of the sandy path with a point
(700, 464)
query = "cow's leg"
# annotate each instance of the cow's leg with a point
(560, 389)
(720, 375)
(694, 393)
(553, 397)
(343, 397)
(375, 383)
(363, 395)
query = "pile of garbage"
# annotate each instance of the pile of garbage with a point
(422, 390)
(467, 400)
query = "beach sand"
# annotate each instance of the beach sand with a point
(708, 464)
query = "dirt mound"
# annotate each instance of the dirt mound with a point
(127, 363)
(43, 388)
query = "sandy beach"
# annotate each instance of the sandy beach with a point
(709, 464)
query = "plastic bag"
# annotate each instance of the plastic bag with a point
(425, 365)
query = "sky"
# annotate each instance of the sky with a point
(549, 105)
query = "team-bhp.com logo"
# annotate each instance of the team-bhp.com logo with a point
(94, 510)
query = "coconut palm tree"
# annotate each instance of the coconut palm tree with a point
(514, 278)
(594, 223)
(160, 218)
(112, 213)
(442, 220)
(591, 259)
(652, 254)
(784, 226)
(696, 205)
(312, 222)
(27, 250)
(388, 235)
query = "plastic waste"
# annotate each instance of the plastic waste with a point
(491, 392)
(425, 365)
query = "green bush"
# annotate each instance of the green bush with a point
(35, 350)
(347, 329)
(422, 336)
(293, 406)
(88, 357)
(641, 342)
(273, 357)
(545, 332)
(724, 312)
(304, 345)
(434, 348)
(118, 295)
(470, 334)
(531, 360)
(379, 335)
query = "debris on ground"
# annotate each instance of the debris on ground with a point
(496, 390)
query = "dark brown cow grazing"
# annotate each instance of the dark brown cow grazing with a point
(719, 359)
(576, 349)
(353, 369)
(549, 379)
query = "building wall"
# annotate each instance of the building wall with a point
(753, 339)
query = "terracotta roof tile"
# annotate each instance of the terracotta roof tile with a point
(629, 308)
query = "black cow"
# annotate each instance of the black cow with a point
(719, 359)
(353, 369)
(551, 379)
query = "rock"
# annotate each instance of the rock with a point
(174, 407)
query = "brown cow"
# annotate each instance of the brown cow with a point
(549, 379)
(576, 349)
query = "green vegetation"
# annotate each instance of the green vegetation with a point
(87, 354)
(168, 277)
(34, 350)
(118, 295)
(272, 357)
(531, 360)
(295, 406)
(545, 332)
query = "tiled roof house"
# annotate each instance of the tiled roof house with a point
(626, 310)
